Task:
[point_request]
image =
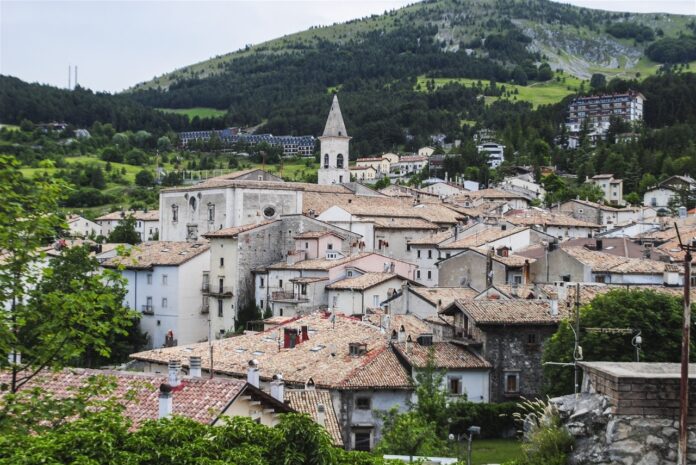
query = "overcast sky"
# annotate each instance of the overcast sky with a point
(116, 44)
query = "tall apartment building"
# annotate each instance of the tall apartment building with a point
(597, 110)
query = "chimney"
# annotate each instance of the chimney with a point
(321, 415)
(174, 367)
(195, 366)
(278, 388)
(402, 334)
(165, 400)
(253, 373)
(599, 245)
(554, 307)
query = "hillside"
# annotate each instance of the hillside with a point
(571, 38)
(542, 51)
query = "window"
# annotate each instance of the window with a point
(220, 307)
(408, 247)
(164, 302)
(280, 283)
(261, 303)
(340, 179)
(303, 289)
(148, 302)
(306, 245)
(517, 279)
(362, 441)
(430, 254)
(417, 274)
(222, 262)
(447, 255)
(221, 284)
(339, 160)
(164, 279)
(512, 381)
(149, 278)
(262, 282)
(600, 278)
(375, 301)
(430, 275)
(280, 312)
(211, 212)
(192, 203)
(531, 338)
(455, 385)
(326, 160)
(175, 213)
(269, 212)
(329, 246)
(363, 403)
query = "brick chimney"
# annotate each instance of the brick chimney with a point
(195, 366)
(174, 367)
(165, 400)
(253, 373)
(278, 388)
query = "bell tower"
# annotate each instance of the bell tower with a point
(333, 168)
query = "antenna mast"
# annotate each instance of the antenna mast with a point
(69, 77)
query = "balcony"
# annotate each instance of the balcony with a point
(148, 310)
(288, 296)
(205, 287)
(225, 291)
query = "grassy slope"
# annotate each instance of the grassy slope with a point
(536, 93)
(201, 112)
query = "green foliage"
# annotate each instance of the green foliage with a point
(495, 419)
(673, 50)
(657, 315)
(558, 190)
(598, 81)
(145, 178)
(547, 442)
(626, 30)
(409, 434)
(124, 232)
(247, 313)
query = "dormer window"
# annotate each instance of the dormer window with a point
(357, 348)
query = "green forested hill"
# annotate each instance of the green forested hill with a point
(378, 63)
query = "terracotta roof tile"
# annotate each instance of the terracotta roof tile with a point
(307, 400)
(159, 253)
(509, 312)
(383, 370)
(362, 282)
(445, 295)
(446, 355)
(150, 215)
(604, 262)
(545, 218)
(482, 237)
(235, 231)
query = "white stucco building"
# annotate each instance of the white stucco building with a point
(165, 280)
(495, 152)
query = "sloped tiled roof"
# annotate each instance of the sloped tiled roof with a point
(445, 295)
(383, 370)
(604, 262)
(509, 312)
(317, 263)
(433, 239)
(307, 400)
(141, 215)
(482, 237)
(237, 230)
(158, 253)
(545, 218)
(446, 355)
(362, 282)
(325, 357)
(200, 399)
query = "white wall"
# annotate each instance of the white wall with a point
(356, 302)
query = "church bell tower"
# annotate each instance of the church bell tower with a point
(333, 167)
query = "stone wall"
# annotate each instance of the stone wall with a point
(639, 395)
(604, 438)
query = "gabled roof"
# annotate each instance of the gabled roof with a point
(483, 237)
(317, 263)
(316, 235)
(335, 127)
(536, 217)
(446, 356)
(607, 263)
(507, 312)
(362, 282)
(383, 370)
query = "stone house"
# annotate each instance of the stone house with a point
(481, 267)
(553, 224)
(381, 165)
(606, 216)
(671, 188)
(363, 173)
(80, 227)
(510, 335)
(164, 282)
(362, 292)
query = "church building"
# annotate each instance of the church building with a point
(334, 149)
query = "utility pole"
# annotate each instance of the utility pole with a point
(577, 338)
(686, 339)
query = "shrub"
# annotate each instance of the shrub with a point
(495, 420)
